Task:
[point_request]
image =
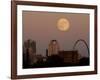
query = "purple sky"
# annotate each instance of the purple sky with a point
(42, 27)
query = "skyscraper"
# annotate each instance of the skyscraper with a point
(33, 45)
(53, 48)
(29, 52)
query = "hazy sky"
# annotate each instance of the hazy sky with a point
(42, 27)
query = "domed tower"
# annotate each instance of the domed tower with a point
(53, 48)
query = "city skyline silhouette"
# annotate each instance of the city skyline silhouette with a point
(42, 27)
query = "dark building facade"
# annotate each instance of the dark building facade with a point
(69, 56)
(29, 52)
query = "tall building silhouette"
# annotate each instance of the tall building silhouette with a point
(29, 52)
(53, 48)
(33, 45)
(30, 44)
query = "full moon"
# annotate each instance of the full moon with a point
(63, 24)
